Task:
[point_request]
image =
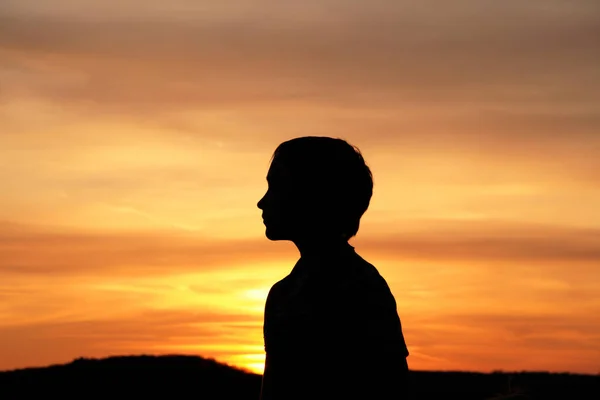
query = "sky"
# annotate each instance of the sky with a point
(135, 139)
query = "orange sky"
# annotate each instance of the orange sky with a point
(135, 139)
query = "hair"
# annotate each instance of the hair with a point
(334, 173)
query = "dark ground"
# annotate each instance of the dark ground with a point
(132, 377)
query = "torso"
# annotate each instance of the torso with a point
(301, 307)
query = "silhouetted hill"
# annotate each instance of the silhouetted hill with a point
(132, 377)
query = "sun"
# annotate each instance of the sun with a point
(254, 362)
(257, 368)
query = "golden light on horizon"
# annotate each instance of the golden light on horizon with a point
(253, 362)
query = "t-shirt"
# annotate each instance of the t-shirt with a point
(331, 330)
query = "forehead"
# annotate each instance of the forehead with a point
(278, 172)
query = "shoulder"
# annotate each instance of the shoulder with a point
(277, 290)
(366, 276)
(369, 287)
(278, 287)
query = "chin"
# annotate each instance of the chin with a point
(274, 234)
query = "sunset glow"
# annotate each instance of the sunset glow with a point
(135, 139)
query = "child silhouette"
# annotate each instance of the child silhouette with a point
(331, 327)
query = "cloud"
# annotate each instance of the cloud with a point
(85, 253)
(556, 341)
(518, 243)
(141, 333)
(503, 80)
(390, 53)
(532, 304)
(155, 253)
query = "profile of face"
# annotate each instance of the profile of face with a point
(283, 213)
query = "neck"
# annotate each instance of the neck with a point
(321, 247)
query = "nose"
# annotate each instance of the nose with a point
(261, 203)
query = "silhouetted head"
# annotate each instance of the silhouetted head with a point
(319, 188)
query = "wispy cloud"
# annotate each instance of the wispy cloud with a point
(151, 253)
(143, 332)
(489, 58)
(557, 340)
